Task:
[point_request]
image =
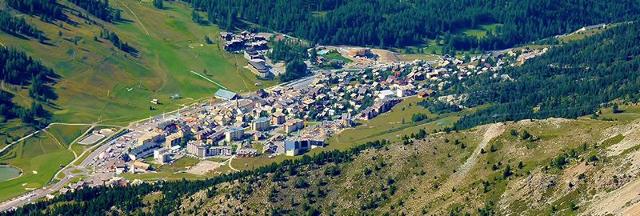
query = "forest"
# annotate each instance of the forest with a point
(99, 8)
(19, 69)
(48, 10)
(585, 75)
(18, 26)
(115, 40)
(101, 200)
(387, 23)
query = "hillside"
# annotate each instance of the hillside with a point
(89, 80)
(567, 167)
(553, 166)
(99, 82)
(460, 24)
(556, 134)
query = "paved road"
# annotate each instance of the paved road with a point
(140, 125)
(53, 188)
(37, 194)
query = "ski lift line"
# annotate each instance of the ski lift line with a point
(207, 79)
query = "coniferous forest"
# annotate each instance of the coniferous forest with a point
(17, 68)
(18, 26)
(99, 8)
(47, 10)
(583, 76)
(394, 23)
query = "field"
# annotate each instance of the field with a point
(11, 131)
(392, 125)
(101, 83)
(334, 55)
(482, 31)
(39, 158)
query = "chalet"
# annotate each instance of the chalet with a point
(259, 67)
(226, 36)
(234, 45)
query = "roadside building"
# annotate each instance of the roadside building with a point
(293, 125)
(247, 152)
(197, 148)
(260, 124)
(153, 136)
(277, 118)
(234, 134)
(297, 146)
(139, 166)
(219, 151)
(226, 95)
(162, 156)
(259, 67)
(386, 94)
(144, 150)
(201, 150)
(173, 139)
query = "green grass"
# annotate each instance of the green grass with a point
(100, 82)
(629, 113)
(335, 55)
(39, 153)
(580, 35)
(11, 131)
(392, 125)
(66, 133)
(250, 163)
(482, 31)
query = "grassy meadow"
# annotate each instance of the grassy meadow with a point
(39, 158)
(101, 83)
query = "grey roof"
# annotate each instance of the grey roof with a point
(262, 119)
(225, 94)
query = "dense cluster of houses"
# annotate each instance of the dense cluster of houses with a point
(253, 46)
(293, 119)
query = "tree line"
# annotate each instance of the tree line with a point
(573, 80)
(17, 68)
(115, 40)
(293, 52)
(48, 10)
(99, 8)
(400, 23)
(18, 26)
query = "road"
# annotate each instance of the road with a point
(39, 193)
(139, 125)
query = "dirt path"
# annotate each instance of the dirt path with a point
(229, 162)
(493, 131)
(135, 16)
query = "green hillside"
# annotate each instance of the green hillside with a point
(101, 83)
